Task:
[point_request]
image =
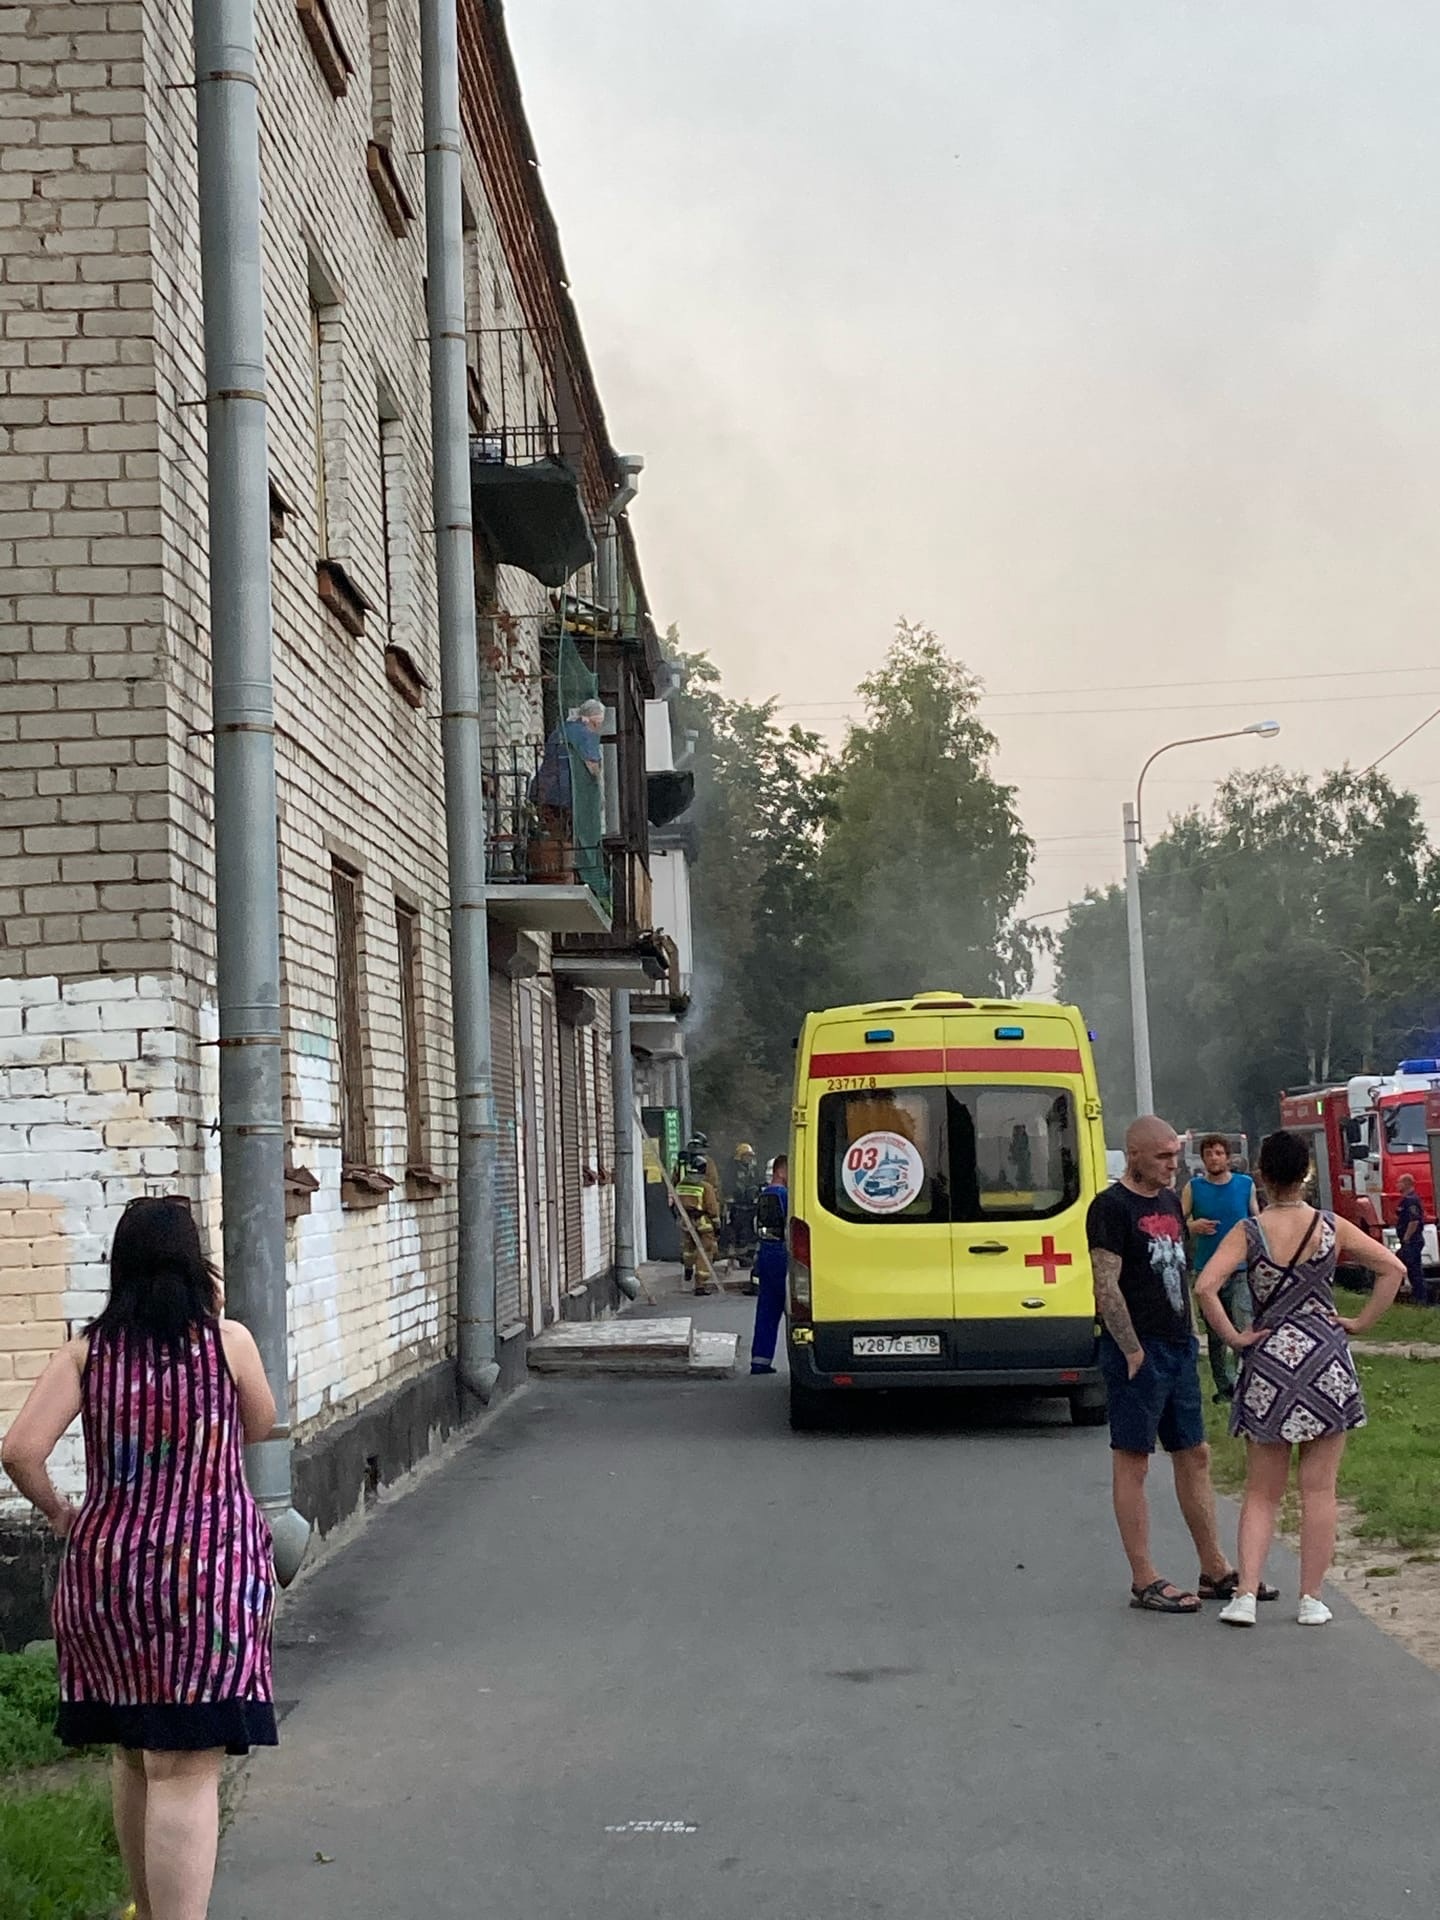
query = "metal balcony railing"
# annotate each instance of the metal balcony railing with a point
(543, 819)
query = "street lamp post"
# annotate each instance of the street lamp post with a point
(1139, 1005)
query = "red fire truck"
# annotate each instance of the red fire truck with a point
(1363, 1136)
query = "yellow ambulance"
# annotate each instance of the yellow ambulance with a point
(944, 1151)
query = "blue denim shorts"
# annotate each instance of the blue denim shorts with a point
(1161, 1403)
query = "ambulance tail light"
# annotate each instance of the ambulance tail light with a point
(799, 1304)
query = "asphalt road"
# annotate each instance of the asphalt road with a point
(886, 1672)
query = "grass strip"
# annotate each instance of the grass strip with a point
(1419, 1326)
(29, 1695)
(1389, 1472)
(58, 1859)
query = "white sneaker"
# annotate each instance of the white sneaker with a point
(1313, 1612)
(1240, 1612)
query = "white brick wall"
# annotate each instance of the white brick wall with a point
(92, 1113)
(107, 996)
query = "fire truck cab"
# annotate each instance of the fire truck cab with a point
(1363, 1136)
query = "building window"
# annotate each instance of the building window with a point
(401, 618)
(337, 589)
(380, 160)
(420, 1176)
(349, 1032)
(387, 438)
(361, 1184)
(318, 345)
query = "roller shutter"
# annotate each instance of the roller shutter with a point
(507, 1167)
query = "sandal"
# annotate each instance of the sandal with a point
(1162, 1596)
(1228, 1585)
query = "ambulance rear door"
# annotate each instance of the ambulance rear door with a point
(1019, 1133)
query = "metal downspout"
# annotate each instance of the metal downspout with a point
(622, 1057)
(622, 1085)
(247, 915)
(459, 698)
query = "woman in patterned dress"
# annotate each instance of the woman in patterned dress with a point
(1297, 1385)
(164, 1600)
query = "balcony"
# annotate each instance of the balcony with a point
(545, 869)
(630, 953)
(524, 487)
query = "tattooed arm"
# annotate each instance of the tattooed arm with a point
(1111, 1307)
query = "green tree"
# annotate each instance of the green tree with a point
(925, 859)
(1290, 938)
(763, 796)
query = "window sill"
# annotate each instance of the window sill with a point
(280, 511)
(339, 593)
(326, 45)
(364, 1187)
(300, 1186)
(406, 678)
(398, 212)
(423, 1183)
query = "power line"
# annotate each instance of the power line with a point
(1202, 706)
(1402, 742)
(1135, 686)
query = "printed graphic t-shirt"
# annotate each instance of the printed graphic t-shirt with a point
(1147, 1231)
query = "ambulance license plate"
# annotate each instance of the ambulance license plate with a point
(911, 1346)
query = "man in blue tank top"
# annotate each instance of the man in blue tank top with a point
(1214, 1203)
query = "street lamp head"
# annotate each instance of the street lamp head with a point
(1267, 729)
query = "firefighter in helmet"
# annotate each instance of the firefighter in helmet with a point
(740, 1212)
(700, 1202)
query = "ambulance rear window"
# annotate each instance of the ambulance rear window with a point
(932, 1155)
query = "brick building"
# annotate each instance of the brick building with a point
(107, 997)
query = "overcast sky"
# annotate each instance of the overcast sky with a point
(1101, 335)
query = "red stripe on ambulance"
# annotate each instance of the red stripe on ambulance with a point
(1012, 1060)
(888, 1062)
(876, 1060)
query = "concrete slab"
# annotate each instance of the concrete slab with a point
(611, 1345)
(712, 1355)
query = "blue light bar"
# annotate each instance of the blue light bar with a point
(1009, 1033)
(878, 1034)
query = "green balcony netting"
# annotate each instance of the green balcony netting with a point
(577, 684)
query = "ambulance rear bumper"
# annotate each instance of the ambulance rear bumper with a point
(1054, 1356)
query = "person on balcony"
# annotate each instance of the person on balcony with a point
(577, 734)
(552, 792)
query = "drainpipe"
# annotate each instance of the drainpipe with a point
(247, 912)
(622, 1058)
(622, 1085)
(459, 699)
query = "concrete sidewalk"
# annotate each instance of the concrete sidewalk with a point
(637, 1650)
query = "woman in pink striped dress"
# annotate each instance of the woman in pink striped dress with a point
(164, 1601)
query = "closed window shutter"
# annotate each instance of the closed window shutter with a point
(571, 1176)
(507, 1171)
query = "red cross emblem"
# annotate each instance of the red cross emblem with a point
(1049, 1259)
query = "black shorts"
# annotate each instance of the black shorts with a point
(1163, 1402)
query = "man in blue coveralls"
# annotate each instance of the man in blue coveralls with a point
(1410, 1226)
(772, 1211)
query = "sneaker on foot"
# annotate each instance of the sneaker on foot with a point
(1240, 1612)
(1313, 1612)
